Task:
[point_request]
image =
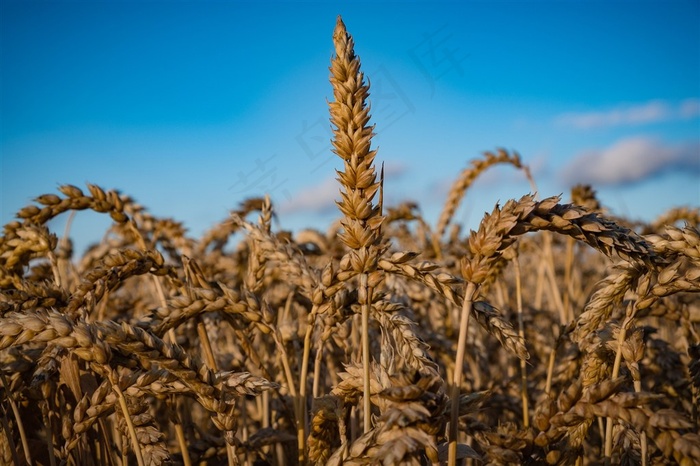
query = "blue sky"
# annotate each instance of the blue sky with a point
(191, 107)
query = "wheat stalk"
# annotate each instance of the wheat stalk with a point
(351, 142)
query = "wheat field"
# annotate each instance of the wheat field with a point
(553, 334)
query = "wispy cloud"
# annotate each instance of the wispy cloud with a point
(395, 169)
(650, 112)
(318, 199)
(690, 108)
(631, 160)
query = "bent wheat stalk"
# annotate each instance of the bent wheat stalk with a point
(461, 185)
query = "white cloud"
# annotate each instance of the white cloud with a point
(393, 168)
(650, 112)
(318, 199)
(690, 108)
(631, 160)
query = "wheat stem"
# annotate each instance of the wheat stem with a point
(366, 401)
(129, 423)
(457, 377)
(615, 372)
(302, 401)
(18, 420)
(182, 443)
(521, 333)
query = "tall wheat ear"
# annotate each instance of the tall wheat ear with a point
(351, 142)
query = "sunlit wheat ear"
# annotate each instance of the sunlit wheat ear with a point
(352, 137)
(351, 142)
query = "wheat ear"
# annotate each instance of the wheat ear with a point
(362, 219)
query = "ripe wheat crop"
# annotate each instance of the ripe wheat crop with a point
(553, 334)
